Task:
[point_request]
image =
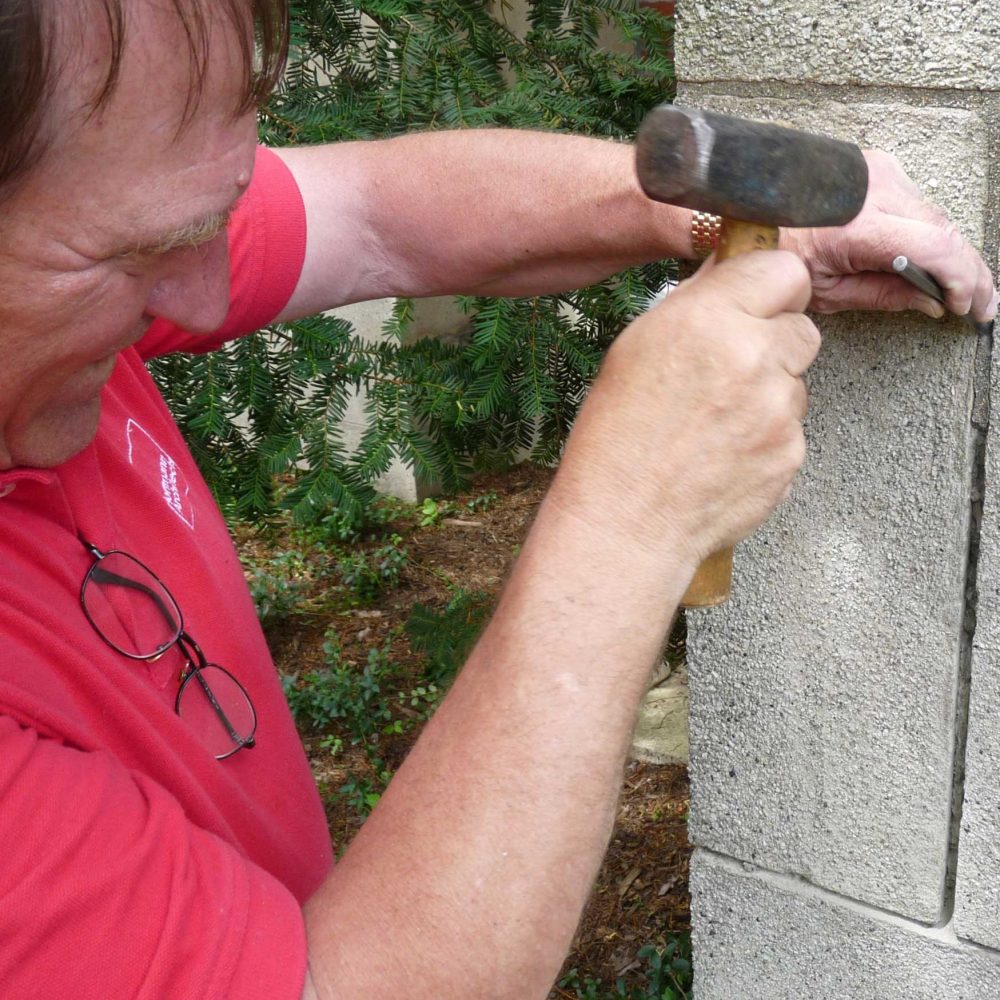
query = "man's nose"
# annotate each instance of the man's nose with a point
(193, 292)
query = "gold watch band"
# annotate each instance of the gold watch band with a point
(704, 233)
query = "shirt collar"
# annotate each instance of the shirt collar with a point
(10, 479)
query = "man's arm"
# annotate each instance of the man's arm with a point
(495, 212)
(469, 877)
(486, 212)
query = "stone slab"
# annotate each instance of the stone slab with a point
(759, 935)
(823, 695)
(661, 732)
(952, 44)
(977, 902)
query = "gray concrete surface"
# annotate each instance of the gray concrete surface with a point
(977, 902)
(823, 696)
(760, 936)
(831, 700)
(910, 43)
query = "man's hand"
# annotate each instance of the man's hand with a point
(692, 432)
(851, 266)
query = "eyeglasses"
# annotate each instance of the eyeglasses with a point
(134, 613)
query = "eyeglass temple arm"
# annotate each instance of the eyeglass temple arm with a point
(219, 710)
(100, 575)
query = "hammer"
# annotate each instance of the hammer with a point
(757, 177)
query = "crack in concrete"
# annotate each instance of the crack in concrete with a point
(798, 886)
(979, 420)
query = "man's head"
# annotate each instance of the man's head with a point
(127, 132)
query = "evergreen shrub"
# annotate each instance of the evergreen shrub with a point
(263, 415)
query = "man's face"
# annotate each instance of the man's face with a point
(119, 225)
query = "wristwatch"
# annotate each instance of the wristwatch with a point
(704, 233)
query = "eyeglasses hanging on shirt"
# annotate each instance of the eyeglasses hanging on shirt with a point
(133, 612)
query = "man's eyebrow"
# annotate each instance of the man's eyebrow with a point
(191, 235)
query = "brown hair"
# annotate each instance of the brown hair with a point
(28, 67)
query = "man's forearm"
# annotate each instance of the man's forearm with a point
(486, 212)
(469, 877)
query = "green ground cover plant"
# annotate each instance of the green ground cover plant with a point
(665, 974)
(446, 636)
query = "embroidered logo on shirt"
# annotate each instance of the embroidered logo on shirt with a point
(146, 454)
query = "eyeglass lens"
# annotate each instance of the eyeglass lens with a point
(129, 606)
(217, 708)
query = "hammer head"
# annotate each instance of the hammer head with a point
(747, 170)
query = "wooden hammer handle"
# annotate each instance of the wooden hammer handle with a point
(713, 581)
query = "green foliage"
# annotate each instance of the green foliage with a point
(362, 794)
(431, 511)
(341, 692)
(446, 637)
(421, 701)
(367, 574)
(481, 503)
(278, 585)
(665, 975)
(370, 69)
(271, 405)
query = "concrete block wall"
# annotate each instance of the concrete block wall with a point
(845, 705)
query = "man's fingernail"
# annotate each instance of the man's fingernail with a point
(991, 311)
(929, 306)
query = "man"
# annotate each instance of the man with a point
(160, 841)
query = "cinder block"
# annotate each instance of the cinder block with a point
(953, 44)
(977, 904)
(823, 694)
(757, 935)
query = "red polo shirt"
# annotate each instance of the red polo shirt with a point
(134, 864)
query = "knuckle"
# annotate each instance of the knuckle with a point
(790, 269)
(784, 418)
(825, 295)
(747, 356)
(885, 162)
(881, 157)
(798, 342)
(882, 241)
(783, 408)
(809, 332)
(789, 457)
(885, 298)
(800, 399)
(952, 235)
(939, 217)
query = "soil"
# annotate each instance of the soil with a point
(640, 896)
